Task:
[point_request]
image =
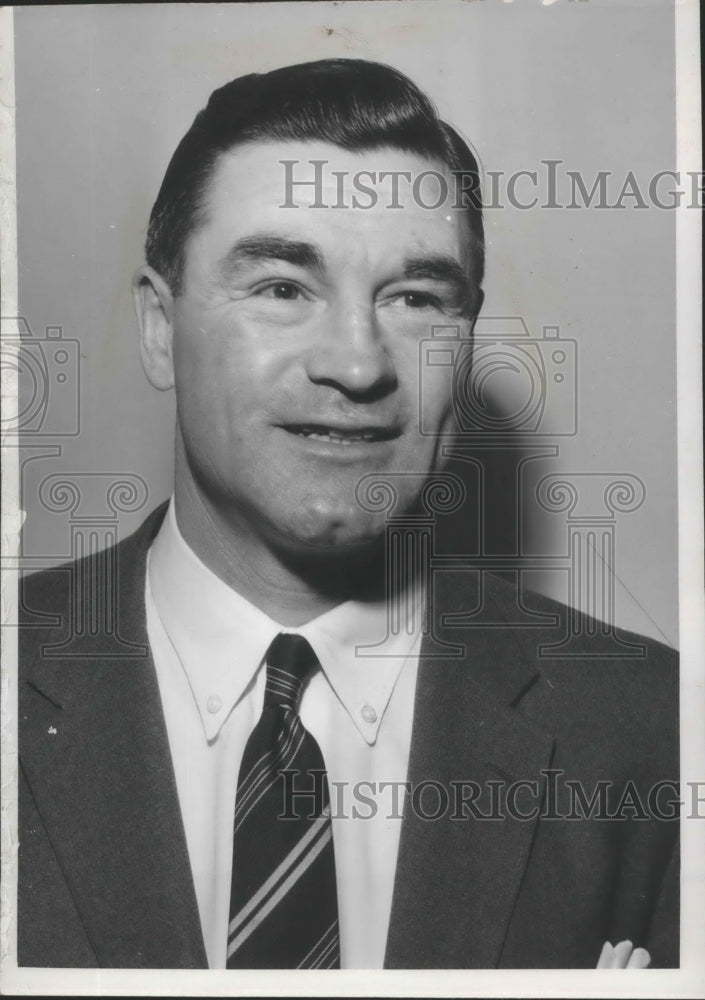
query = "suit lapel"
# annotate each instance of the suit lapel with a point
(99, 767)
(457, 878)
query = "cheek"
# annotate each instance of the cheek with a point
(205, 394)
(230, 348)
(208, 365)
(429, 401)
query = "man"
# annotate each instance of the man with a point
(163, 819)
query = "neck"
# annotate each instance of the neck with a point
(291, 588)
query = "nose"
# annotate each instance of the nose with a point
(351, 355)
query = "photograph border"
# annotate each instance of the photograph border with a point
(687, 981)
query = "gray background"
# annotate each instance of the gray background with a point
(105, 92)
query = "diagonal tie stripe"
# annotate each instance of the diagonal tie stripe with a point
(318, 827)
(291, 879)
(283, 903)
(281, 682)
(249, 779)
(267, 775)
(324, 949)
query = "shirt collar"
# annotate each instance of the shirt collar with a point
(221, 638)
(360, 659)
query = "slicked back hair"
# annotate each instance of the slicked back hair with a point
(351, 103)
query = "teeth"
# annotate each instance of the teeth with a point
(330, 436)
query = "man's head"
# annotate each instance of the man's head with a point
(292, 329)
(350, 103)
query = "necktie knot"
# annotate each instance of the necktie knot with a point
(290, 659)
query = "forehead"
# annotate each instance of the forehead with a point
(343, 200)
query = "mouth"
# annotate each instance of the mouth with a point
(342, 435)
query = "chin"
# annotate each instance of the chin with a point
(336, 536)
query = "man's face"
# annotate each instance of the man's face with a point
(296, 342)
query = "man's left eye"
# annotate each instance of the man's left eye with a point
(285, 291)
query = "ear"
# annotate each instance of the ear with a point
(154, 305)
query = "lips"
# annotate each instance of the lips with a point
(342, 435)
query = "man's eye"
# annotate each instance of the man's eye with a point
(286, 291)
(419, 300)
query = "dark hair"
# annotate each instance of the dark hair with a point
(351, 103)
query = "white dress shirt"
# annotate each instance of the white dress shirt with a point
(208, 645)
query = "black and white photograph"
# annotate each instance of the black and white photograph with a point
(352, 512)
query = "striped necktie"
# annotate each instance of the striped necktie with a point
(283, 903)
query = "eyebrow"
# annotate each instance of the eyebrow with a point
(251, 249)
(437, 267)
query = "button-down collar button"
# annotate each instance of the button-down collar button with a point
(214, 704)
(368, 714)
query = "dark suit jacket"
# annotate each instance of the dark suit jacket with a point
(104, 871)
